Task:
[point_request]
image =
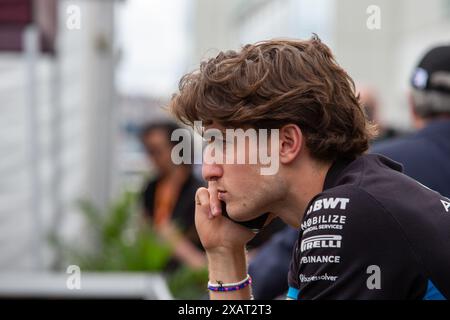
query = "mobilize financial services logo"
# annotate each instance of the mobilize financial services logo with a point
(322, 241)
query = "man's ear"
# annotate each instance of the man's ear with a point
(291, 140)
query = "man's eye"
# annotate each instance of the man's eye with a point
(214, 140)
(207, 139)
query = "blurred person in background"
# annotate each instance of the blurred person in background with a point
(370, 101)
(425, 154)
(269, 268)
(167, 198)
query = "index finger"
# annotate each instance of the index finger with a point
(202, 200)
(214, 201)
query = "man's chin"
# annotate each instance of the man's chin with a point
(239, 214)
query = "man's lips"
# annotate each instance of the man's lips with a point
(221, 194)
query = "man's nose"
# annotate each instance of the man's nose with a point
(211, 172)
(212, 166)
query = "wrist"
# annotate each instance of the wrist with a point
(227, 265)
(230, 287)
(225, 251)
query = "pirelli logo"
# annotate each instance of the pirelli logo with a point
(322, 241)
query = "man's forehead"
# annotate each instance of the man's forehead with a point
(214, 126)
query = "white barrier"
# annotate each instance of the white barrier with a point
(105, 285)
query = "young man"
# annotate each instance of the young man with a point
(430, 108)
(366, 231)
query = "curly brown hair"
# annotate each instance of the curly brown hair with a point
(273, 83)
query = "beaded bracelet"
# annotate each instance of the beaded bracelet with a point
(221, 287)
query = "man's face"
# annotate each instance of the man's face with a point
(159, 149)
(246, 192)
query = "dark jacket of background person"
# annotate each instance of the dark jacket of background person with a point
(269, 268)
(425, 155)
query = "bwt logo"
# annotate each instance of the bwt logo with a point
(322, 241)
(328, 203)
